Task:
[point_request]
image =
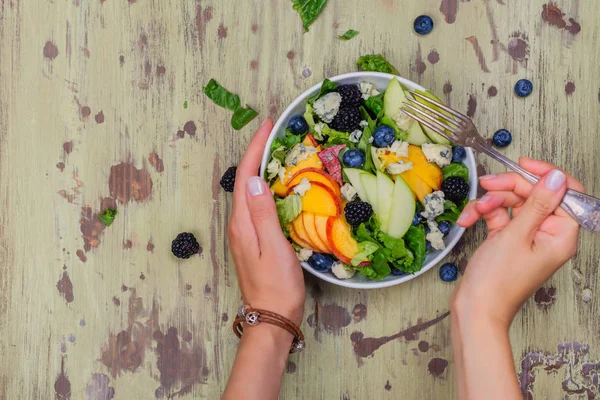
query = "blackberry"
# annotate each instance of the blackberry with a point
(351, 95)
(455, 189)
(228, 179)
(185, 245)
(357, 212)
(346, 120)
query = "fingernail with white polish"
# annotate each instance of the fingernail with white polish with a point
(486, 177)
(463, 217)
(484, 199)
(255, 186)
(555, 180)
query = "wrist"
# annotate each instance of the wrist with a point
(473, 314)
(269, 337)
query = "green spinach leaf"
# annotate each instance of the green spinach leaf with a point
(379, 263)
(415, 240)
(375, 103)
(242, 116)
(221, 96)
(349, 34)
(376, 62)
(326, 87)
(309, 10)
(287, 142)
(451, 212)
(456, 169)
(108, 217)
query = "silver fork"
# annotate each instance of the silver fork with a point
(459, 129)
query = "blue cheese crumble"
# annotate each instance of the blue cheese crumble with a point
(434, 205)
(399, 167)
(342, 271)
(348, 192)
(328, 106)
(437, 153)
(274, 168)
(355, 136)
(304, 254)
(435, 236)
(298, 153)
(403, 120)
(301, 188)
(399, 148)
(318, 130)
(368, 89)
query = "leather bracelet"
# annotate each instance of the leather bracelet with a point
(253, 316)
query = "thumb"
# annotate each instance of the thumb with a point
(263, 212)
(544, 199)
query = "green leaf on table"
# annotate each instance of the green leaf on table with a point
(242, 116)
(309, 10)
(288, 209)
(376, 63)
(349, 34)
(456, 169)
(185, 104)
(108, 217)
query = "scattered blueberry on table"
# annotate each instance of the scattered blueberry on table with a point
(228, 179)
(502, 138)
(357, 212)
(448, 272)
(423, 24)
(455, 189)
(321, 262)
(384, 136)
(298, 125)
(459, 154)
(185, 245)
(444, 227)
(353, 158)
(523, 87)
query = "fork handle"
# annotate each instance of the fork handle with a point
(583, 208)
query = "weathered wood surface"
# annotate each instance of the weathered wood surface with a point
(91, 113)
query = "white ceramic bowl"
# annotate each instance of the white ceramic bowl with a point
(380, 81)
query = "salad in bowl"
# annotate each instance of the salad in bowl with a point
(367, 196)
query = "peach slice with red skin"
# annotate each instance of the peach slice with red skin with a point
(321, 226)
(314, 175)
(340, 240)
(312, 161)
(298, 225)
(321, 200)
(311, 231)
(309, 140)
(297, 238)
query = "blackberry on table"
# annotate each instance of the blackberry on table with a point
(351, 95)
(455, 189)
(185, 245)
(228, 179)
(357, 212)
(346, 120)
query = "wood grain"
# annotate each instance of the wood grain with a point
(92, 116)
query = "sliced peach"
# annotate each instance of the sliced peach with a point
(315, 175)
(340, 240)
(416, 184)
(298, 225)
(321, 200)
(311, 230)
(297, 238)
(321, 226)
(309, 140)
(429, 172)
(312, 162)
(279, 188)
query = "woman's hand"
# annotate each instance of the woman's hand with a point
(268, 271)
(519, 255)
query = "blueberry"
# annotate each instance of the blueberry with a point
(321, 262)
(384, 136)
(398, 272)
(423, 24)
(298, 125)
(502, 138)
(416, 219)
(523, 87)
(448, 272)
(427, 230)
(427, 245)
(459, 154)
(353, 158)
(444, 227)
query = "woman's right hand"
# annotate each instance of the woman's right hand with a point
(521, 253)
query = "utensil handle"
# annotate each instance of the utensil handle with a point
(583, 208)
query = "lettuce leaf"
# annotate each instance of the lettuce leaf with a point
(309, 117)
(309, 10)
(415, 240)
(326, 87)
(456, 169)
(288, 141)
(451, 212)
(375, 103)
(288, 209)
(365, 249)
(376, 62)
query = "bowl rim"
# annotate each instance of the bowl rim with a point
(469, 162)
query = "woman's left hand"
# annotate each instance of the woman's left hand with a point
(268, 271)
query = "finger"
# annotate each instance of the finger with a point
(264, 214)
(544, 199)
(468, 216)
(492, 200)
(496, 220)
(541, 168)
